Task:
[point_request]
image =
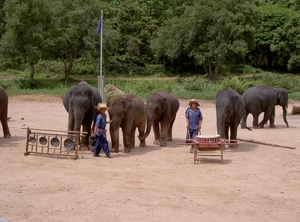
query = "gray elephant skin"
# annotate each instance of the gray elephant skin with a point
(3, 112)
(229, 107)
(80, 102)
(127, 112)
(260, 99)
(161, 109)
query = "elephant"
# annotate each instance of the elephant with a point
(161, 108)
(80, 102)
(128, 112)
(262, 98)
(3, 112)
(229, 108)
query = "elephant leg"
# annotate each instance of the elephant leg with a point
(163, 134)
(267, 115)
(255, 121)
(233, 134)
(156, 133)
(132, 138)
(126, 140)
(114, 135)
(169, 136)
(141, 129)
(272, 119)
(226, 132)
(84, 145)
(5, 128)
(244, 119)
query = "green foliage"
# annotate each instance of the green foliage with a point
(149, 37)
(28, 83)
(196, 83)
(271, 18)
(287, 81)
(213, 33)
(145, 87)
(24, 38)
(239, 84)
(198, 87)
(84, 66)
(49, 67)
(239, 69)
(294, 96)
(286, 42)
(133, 21)
(73, 31)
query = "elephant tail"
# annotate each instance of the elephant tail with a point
(149, 124)
(246, 127)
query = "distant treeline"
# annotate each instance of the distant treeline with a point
(147, 37)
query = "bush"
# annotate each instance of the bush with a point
(289, 82)
(28, 83)
(239, 69)
(196, 83)
(83, 66)
(45, 66)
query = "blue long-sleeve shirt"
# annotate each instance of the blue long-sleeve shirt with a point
(194, 116)
(100, 125)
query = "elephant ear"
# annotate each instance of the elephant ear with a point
(281, 96)
(127, 104)
(236, 107)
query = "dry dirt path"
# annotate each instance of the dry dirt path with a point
(256, 183)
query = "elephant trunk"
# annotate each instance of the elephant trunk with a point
(114, 134)
(221, 116)
(78, 118)
(149, 125)
(284, 115)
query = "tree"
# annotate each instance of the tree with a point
(72, 32)
(286, 42)
(270, 18)
(2, 18)
(134, 26)
(213, 33)
(25, 25)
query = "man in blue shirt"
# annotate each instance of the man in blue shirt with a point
(194, 120)
(100, 131)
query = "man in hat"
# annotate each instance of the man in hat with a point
(100, 131)
(194, 120)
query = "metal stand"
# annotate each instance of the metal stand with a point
(53, 142)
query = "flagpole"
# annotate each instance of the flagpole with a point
(100, 78)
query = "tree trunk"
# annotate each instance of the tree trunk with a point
(68, 69)
(216, 72)
(67, 74)
(31, 71)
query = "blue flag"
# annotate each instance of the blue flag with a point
(99, 26)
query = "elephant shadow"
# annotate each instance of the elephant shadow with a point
(11, 142)
(143, 150)
(242, 147)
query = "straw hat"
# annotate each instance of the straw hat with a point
(101, 106)
(193, 101)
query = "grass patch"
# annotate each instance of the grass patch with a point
(195, 86)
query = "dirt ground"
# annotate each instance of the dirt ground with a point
(256, 183)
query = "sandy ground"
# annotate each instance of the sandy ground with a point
(256, 183)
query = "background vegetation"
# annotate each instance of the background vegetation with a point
(48, 45)
(196, 86)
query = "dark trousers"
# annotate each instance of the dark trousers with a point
(101, 143)
(190, 134)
